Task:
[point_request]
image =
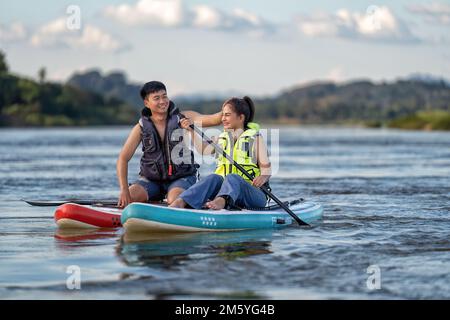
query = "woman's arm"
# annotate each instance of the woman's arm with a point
(201, 146)
(205, 120)
(263, 163)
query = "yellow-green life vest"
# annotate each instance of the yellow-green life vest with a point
(242, 152)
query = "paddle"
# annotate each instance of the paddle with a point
(53, 203)
(249, 176)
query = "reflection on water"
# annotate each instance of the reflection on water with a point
(169, 249)
(78, 237)
(386, 195)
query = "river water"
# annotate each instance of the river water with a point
(384, 235)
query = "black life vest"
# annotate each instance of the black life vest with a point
(166, 160)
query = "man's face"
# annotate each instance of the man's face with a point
(157, 102)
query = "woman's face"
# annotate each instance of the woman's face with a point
(230, 119)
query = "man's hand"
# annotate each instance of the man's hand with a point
(185, 123)
(260, 180)
(124, 198)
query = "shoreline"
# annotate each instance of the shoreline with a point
(263, 124)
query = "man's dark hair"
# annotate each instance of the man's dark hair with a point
(151, 87)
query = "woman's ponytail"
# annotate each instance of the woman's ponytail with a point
(251, 107)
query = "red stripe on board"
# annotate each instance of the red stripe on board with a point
(87, 215)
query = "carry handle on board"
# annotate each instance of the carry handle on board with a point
(219, 150)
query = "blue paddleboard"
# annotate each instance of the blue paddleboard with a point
(143, 217)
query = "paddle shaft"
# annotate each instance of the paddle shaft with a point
(54, 203)
(248, 175)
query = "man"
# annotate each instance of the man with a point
(161, 175)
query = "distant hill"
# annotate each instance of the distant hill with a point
(115, 85)
(205, 96)
(357, 102)
(112, 85)
(429, 78)
(419, 102)
(26, 102)
(360, 101)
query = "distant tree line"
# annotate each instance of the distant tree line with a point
(360, 102)
(91, 98)
(25, 102)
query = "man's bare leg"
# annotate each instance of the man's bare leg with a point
(138, 193)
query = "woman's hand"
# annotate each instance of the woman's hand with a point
(185, 123)
(260, 180)
(124, 198)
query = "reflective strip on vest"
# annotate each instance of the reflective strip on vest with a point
(242, 152)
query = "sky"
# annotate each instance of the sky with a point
(255, 47)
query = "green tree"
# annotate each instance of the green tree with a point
(3, 64)
(42, 73)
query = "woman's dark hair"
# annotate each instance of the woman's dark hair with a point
(243, 106)
(152, 87)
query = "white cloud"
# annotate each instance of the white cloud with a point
(93, 37)
(173, 14)
(377, 23)
(167, 13)
(318, 25)
(336, 74)
(245, 19)
(207, 17)
(51, 34)
(56, 34)
(14, 32)
(432, 12)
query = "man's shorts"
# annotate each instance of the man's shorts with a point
(157, 190)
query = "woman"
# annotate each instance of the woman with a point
(228, 186)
